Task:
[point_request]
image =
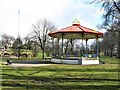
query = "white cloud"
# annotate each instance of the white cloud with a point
(61, 12)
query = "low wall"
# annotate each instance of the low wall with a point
(65, 61)
(81, 62)
(88, 62)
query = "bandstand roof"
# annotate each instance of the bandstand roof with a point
(76, 31)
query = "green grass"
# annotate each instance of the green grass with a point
(63, 77)
(39, 55)
(111, 60)
(59, 76)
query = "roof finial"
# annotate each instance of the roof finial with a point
(76, 22)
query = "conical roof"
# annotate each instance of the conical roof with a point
(76, 31)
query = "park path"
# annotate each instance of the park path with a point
(28, 65)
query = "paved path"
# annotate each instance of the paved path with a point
(28, 65)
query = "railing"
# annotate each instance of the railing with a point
(90, 56)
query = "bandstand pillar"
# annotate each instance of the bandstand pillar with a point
(86, 46)
(53, 47)
(62, 46)
(97, 51)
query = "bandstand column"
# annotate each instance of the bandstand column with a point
(86, 46)
(97, 46)
(53, 48)
(58, 48)
(62, 45)
(82, 44)
(71, 46)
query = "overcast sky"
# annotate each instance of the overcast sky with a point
(60, 12)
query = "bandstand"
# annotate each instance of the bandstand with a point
(77, 31)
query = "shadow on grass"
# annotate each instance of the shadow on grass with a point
(31, 82)
(56, 69)
(51, 82)
(64, 87)
(7, 76)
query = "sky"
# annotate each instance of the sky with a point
(60, 12)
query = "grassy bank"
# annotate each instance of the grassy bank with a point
(110, 60)
(63, 77)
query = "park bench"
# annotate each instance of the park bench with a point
(9, 62)
(48, 58)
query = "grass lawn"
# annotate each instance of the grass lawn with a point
(62, 77)
(110, 60)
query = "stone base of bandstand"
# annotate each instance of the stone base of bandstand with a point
(82, 61)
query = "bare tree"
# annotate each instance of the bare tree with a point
(66, 44)
(111, 18)
(28, 43)
(17, 44)
(112, 10)
(69, 46)
(40, 32)
(7, 40)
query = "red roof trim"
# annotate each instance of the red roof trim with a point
(74, 29)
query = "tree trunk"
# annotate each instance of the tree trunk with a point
(111, 52)
(71, 49)
(43, 54)
(118, 48)
(66, 48)
(107, 53)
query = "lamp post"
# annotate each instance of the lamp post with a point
(18, 32)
